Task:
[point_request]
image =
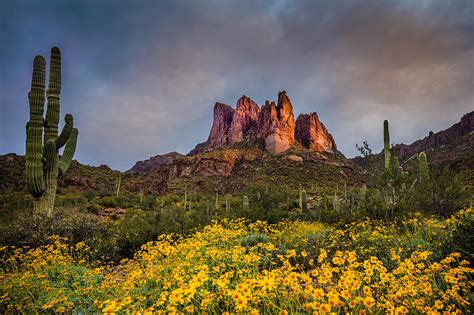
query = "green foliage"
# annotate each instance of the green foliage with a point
(27, 230)
(43, 164)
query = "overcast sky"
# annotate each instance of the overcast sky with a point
(141, 77)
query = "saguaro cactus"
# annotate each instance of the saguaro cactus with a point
(246, 203)
(423, 167)
(303, 201)
(43, 163)
(386, 144)
(118, 182)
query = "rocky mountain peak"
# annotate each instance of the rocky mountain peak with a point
(244, 119)
(218, 137)
(312, 133)
(274, 124)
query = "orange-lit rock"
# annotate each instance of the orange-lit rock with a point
(243, 120)
(312, 133)
(276, 124)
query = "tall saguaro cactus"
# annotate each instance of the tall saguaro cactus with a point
(43, 163)
(386, 144)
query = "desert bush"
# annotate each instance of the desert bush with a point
(33, 230)
(372, 266)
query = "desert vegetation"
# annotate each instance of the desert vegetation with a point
(387, 238)
(415, 264)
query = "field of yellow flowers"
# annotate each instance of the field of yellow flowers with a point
(251, 268)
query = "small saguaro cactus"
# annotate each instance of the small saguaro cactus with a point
(335, 204)
(140, 196)
(386, 144)
(43, 163)
(423, 167)
(246, 203)
(303, 201)
(118, 182)
(185, 206)
(227, 205)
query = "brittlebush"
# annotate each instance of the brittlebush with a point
(297, 267)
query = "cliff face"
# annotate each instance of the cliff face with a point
(244, 119)
(312, 133)
(219, 135)
(273, 124)
(276, 125)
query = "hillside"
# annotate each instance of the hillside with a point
(244, 147)
(451, 147)
(248, 144)
(78, 176)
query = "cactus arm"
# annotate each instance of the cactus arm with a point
(69, 151)
(49, 151)
(34, 133)
(386, 144)
(54, 88)
(66, 132)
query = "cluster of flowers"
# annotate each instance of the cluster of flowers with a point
(240, 267)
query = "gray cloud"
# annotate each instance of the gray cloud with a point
(141, 77)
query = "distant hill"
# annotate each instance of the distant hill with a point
(250, 144)
(452, 147)
(80, 176)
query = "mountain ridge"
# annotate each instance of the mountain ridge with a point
(435, 142)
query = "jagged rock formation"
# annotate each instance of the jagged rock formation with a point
(312, 133)
(219, 135)
(154, 162)
(244, 119)
(276, 125)
(273, 124)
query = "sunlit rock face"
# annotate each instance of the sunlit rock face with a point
(243, 120)
(276, 124)
(218, 137)
(273, 124)
(312, 133)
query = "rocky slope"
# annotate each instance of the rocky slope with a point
(80, 176)
(154, 162)
(452, 147)
(273, 125)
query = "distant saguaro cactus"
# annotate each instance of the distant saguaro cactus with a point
(386, 144)
(303, 201)
(246, 203)
(423, 167)
(43, 163)
(118, 182)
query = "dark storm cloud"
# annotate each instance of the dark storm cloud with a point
(141, 77)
